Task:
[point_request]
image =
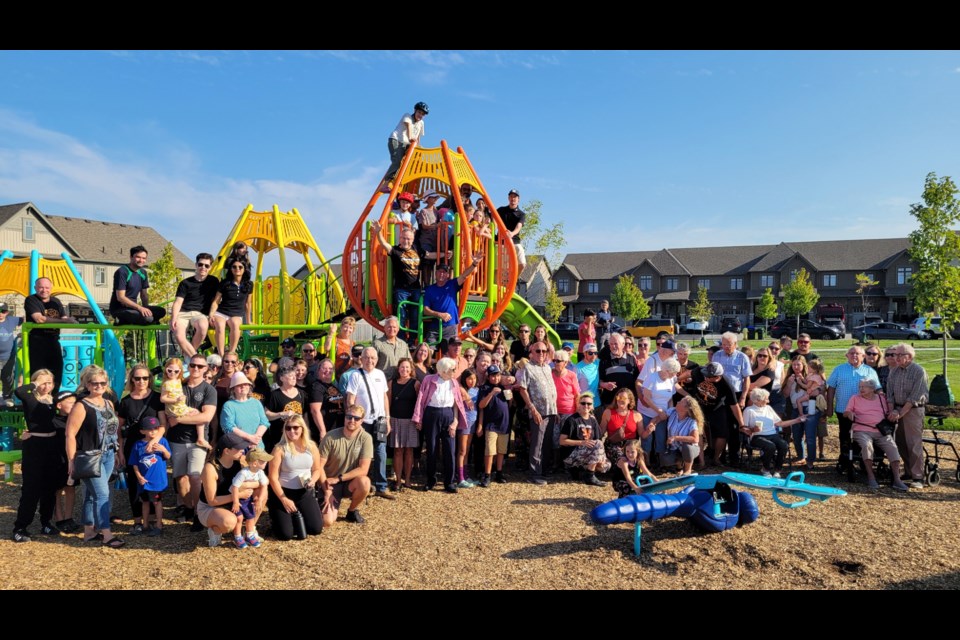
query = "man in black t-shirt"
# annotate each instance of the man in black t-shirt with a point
(406, 277)
(129, 283)
(325, 401)
(183, 435)
(513, 218)
(520, 348)
(191, 308)
(721, 409)
(45, 352)
(618, 370)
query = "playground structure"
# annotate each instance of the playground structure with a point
(709, 501)
(489, 291)
(282, 299)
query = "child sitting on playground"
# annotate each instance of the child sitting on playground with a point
(624, 477)
(812, 385)
(148, 459)
(253, 474)
(175, 401)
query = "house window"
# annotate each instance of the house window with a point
(100, 276)
(736, 284)
(563, 285)
(593, 287)
(829, 279)
(869, 276)
(646, 283)
(704, 282)
(766, 281)
(904, 274)
(793, 275)
(27, 230)
(673, 284)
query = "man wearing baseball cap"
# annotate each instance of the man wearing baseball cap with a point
(9, 328)
(513, 218)
(718, 400)
(441, 301)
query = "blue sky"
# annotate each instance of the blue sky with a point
(632, 150)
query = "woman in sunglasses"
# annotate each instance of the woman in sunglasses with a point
(140, 402)
(92, 425)
(495, 333)
(231, 307)
(293, 473)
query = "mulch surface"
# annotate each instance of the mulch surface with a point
(520, 536)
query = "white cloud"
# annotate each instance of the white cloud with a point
(65, 176)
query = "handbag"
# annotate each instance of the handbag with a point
(87, 464)
(885, 427)
(380, 424)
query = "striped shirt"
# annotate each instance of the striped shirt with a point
(908, 384)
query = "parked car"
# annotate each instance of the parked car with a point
(652, 328)
(836, 324)
(731, 324)
(816, 330)
(697, 326)
(933, 325)
(888, 331)
(567, 330)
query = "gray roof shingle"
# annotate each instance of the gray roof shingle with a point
(7, 211)
(602, 266)
(110, 242)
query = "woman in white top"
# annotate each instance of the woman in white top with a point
(761, 424)
(658, 390)
(777, 401)
(293, 474)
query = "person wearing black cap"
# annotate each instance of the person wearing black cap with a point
(440, 301)
(719, 403)
(513, 218)
(493, 424)
(213, 509)
(288, 349)
(408, 131)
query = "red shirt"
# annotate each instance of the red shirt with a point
(588, 334)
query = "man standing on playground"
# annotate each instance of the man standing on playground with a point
(513, 218)
(440, 300)
(130, 282)
(408, 131)
(44, 344)
(9, 327)
(191, 308)
(406, 276)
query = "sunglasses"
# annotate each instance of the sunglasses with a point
(350, 418)
(97, 384)
(308, 350)
(231, 362)
(170, 372)
(762, 355)
(295, 427)
(246, 367)
(201, 265)
(558, 361)
(775, 349)
(873, 353)
(588, 403)
(197, 366)
(889, 355)
(803, 342)
(540, 351)
(140, 378)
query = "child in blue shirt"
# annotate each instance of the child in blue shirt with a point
(149, 461)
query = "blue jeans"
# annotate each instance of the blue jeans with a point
(657, 441)
(378, 468)
(406, 313)
(809, 427)
(96, 495)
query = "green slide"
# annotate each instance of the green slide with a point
(520, 312)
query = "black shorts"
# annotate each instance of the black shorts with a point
(719, 422)
(150, 496)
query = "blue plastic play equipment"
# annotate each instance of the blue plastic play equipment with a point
(708, 501)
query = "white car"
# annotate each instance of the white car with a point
(696, 326)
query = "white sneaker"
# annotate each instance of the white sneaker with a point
(776, 474)
(766, 474)
(213, 539)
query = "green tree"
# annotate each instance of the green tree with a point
(799, 296)
(767, 307)
(164, 277)
(864, 283)
(553, 306)
(935, 248)
(702, 308)
(539, 237)
(627, 301)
